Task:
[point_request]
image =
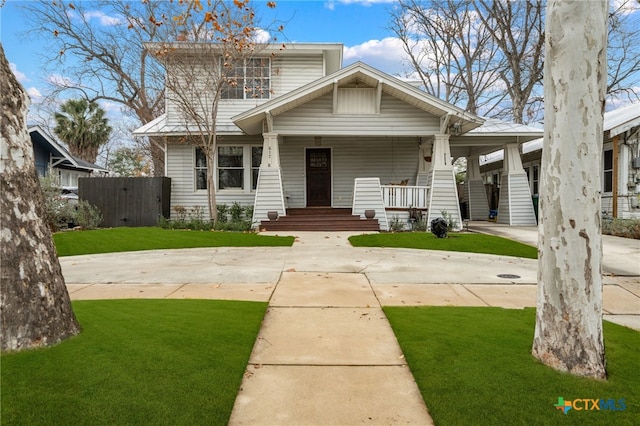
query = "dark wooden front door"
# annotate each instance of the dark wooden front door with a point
(318, 177)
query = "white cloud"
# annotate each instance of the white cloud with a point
(60, 81)
(386, 55)
(331, 3)
(34, 93)
(262, 36)
(20, 76)
(625, 7)
(103, 18)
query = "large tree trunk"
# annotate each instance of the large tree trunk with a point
(34, 303)
(568, 332)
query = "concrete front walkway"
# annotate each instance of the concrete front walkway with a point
(326, 353)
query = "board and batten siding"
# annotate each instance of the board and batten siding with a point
(389, 159)
(396, 118)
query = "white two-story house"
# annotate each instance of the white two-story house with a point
(322, 136)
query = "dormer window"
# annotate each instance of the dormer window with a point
(247, 79)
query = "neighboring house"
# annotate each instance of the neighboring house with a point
(619, 170)
(51, 156)
(334, 137)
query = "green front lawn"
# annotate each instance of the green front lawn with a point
(464, 242)
(474, 367)
(136, 362)
(133, 239)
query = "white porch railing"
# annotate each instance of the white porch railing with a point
(404, 197)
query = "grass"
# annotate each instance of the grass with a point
(463, 242)
(473, 367)
(136, 362)
(152, 238)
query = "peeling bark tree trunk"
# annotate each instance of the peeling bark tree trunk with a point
(568, 332)
(35, 305)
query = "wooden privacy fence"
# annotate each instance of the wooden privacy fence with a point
(128, 201)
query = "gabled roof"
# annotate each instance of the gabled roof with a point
(331, 52)
(615, 122)
(251, 121)
(61, 155)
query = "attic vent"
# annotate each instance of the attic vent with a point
(356, 101)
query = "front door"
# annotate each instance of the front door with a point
(318, 177)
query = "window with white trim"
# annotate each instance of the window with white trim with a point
(200, 169)
(230, 167)
(535, 179)
(256, 159)
(607, 175)
(247, 79)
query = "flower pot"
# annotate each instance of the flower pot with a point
(272, 215)
(369, 214)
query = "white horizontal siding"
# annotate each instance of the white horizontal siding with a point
(367, 195)
(287, 73)
(516, 206)
(290, 73)
(444, 196)
(396, 118)
(389, 159)
(181, 170)
(477, 196)
(269, 196)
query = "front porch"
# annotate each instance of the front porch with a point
(401, 203)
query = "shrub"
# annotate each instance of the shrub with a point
(223, 211)
(452, 224)
(87, 215)
(395, 224)
(628, 228)
(236, 218)
(59, 213)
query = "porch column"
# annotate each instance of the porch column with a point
(269, 189)
(443, 194)
(424, 163)
(515, 206)
(478, 205)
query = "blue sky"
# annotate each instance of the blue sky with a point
(362, 26)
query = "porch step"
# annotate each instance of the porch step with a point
(320, 219)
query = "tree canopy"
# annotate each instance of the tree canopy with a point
(82, 125)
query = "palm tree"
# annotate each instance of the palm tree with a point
(82, 125)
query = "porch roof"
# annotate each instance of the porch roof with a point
(251, 121)
(160, 126)
(622, 119)
(615, 122)
(491, 136)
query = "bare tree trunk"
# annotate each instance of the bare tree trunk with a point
(211, 183)
(34, 303)
(568, 332)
